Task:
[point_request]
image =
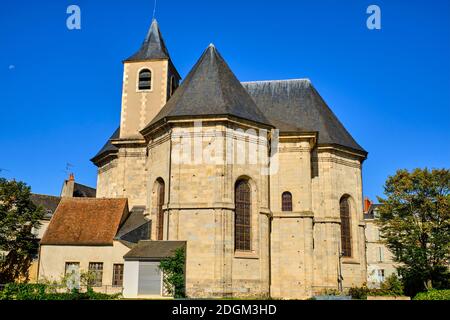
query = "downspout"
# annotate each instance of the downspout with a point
(270, 218)
(39, 263)
(169, 181)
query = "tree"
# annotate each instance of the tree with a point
(18, 216)
(173, 269)
(415, 225)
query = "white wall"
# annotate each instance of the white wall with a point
(130, 279)
(53, 259)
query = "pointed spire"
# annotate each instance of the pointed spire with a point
(153, 46)
(211, 89)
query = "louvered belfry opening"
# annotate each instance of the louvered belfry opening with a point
(242, 226)
(145, 79)
(286, 201)
(346, 236)
(160, 217)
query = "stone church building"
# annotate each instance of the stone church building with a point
(259, 180)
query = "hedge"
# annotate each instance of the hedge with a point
(433, 295)
(37, 291)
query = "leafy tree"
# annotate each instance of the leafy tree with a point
(18, 216)
(415, 225)
(173, 269)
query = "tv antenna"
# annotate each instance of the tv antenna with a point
(68, 167)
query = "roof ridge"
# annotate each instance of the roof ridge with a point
(91, 199)
(280, 80)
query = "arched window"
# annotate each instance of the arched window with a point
(346, 234)
(286, 201)
(242, 224)
(145, 79)
(160, 212)
(173, 85)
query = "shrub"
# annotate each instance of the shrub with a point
(39, 291)
(330, 292)
(359, 293)
(173, 269)
(23, 291)
(433, 295)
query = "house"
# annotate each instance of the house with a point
(50, 203)
(92, 235)
(380, 260)
(258, 181)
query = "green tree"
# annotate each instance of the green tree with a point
(18, 216)
(173, 269)
(415, 225)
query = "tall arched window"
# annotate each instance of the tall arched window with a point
(346, 234)
(242, 223)
(160, 212)
(145, 79)
(286, 201)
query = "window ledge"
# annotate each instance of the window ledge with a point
(245, 255)
(350, 261)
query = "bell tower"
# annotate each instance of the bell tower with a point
(149, 80)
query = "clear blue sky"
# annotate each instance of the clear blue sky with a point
(60, 90)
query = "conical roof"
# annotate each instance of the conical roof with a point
(211, 89)
(153, 46)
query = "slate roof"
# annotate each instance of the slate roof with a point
(49, 203)
(83, 191)
(108, 147)
(153, 46)
(135, 227)
(211, 89)
(85, 221)
(153, 250)
(371, 212)
(296, 103)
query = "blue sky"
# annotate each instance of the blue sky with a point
(60, 90)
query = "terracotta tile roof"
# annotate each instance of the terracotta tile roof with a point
(86, 221)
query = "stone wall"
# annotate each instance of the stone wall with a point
(291, 238)
(139, 107)
(200, 209)
(335, 174)
(294, 254)
(125, 177)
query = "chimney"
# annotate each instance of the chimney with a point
(367, 204)
(68, 187)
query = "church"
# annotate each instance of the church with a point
(258, 181)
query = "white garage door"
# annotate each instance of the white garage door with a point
(149, 281)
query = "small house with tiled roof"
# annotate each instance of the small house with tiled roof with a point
(259, 182)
